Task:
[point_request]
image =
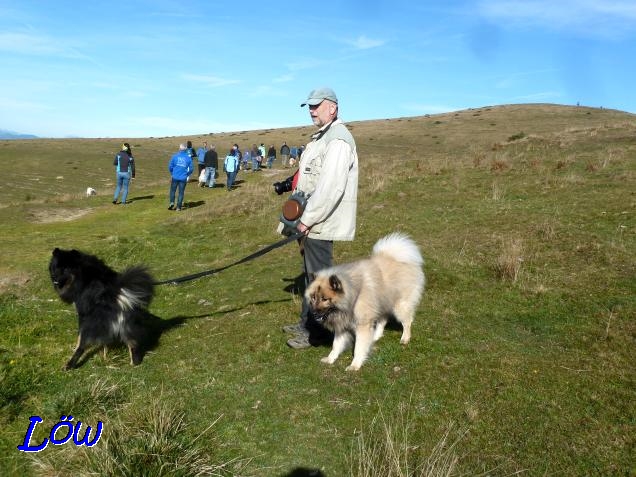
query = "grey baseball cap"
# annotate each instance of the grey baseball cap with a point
(317, 96)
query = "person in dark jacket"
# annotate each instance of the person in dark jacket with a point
(192, 153)
(211, 162)
(125, 169)
(271, 156)
(284, 154)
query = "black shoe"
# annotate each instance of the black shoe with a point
(115, 202)
(171, 207)
(300, 341)
(295, 328)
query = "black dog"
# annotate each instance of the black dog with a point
(111, 307)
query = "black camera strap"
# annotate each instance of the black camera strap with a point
(269, 248)
(322, 132)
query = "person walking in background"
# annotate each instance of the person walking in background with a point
(284, 154)
(255, 158)
(211, 162)
(125, 170)
(271, 156)
(261, 155)
(245, 159)
(236, 150)
(328, 176)
(180, 168)
(293, 155)
(230, 166)
(191, 153)
(201, 156)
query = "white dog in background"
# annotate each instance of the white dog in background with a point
(90, 191)
(202, 178)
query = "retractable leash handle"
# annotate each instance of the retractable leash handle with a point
(293, 209)
(269, 248)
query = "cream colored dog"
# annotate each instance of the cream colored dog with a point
(355, 300)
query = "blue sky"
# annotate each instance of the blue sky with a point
(154, 68)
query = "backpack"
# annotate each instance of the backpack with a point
(230, 163)
(201, 154)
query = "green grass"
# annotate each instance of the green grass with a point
(522, 357)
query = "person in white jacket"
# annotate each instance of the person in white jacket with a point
(328, 176)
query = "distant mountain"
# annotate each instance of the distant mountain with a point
(4, 134)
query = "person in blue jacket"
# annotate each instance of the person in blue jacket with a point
(201, 156)
(180, 168)
(230, 166)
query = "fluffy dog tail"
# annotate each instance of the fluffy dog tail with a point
(137, 289)
(399, 247)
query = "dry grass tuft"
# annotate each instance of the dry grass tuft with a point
(151, 442)
(499, 164)
(51, 215)
(436, 166)
(508, 264)
(384, 448)
(564, 163)
(478, 156)
(546, 231)
(591, 167)
(497, 191)
(573, 178)
(377, 181)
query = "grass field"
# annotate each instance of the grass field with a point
(522, 360)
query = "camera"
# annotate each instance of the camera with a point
(283, 186)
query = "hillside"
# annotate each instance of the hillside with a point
(4, 134)
(521, 360)
(457, 133)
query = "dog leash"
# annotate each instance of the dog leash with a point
(269, 248)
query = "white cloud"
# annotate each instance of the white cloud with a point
(305, 64)
(29, 44)
(265, 90)
(588, 17)
(8, 104)
(25, 44)
(365, 43)
(284, 79)
(427, 108)
(512, 80)
(538, 97)
(160, 126)
(211, 81)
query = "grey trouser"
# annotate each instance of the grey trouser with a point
(318, 254)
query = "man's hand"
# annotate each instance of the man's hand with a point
(302, 228)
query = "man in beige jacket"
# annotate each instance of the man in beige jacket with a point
(328, 176)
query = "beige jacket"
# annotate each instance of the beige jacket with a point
(329, 175)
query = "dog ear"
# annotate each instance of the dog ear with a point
(335, 284)
(311, 276)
